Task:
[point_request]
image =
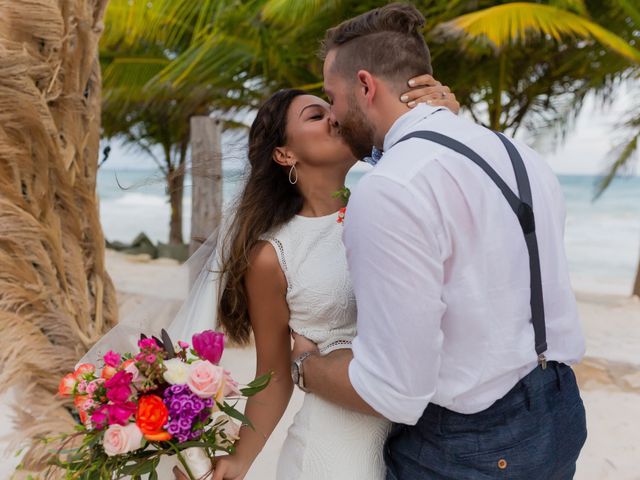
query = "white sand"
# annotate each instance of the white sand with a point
(609, 376)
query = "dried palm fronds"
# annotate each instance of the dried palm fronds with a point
(56, 298)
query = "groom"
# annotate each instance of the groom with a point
(466, 318)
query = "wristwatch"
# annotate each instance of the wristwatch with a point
(297, 372)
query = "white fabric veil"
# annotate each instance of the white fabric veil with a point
(197, 281)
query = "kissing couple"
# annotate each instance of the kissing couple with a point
(449, 258)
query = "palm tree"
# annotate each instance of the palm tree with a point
(56, 297)
(243, 51)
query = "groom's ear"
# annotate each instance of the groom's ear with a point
(367, 85)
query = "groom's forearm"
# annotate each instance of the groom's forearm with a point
(328, 377)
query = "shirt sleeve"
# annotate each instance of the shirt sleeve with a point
(397, 274)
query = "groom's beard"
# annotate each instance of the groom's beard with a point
(357, 132)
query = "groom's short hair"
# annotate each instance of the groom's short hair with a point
(386, 41)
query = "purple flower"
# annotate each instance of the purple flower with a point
(209, 345)
(185, 410)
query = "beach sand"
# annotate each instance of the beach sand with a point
(609, 375)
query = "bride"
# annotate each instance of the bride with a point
(285, 269)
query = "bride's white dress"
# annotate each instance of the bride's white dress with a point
(325, 442)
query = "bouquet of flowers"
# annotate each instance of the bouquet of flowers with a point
(162, 400)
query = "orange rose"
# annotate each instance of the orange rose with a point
(108, 372)
(152, 415)
(84, 368)
(67, 384)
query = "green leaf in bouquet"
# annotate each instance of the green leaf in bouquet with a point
(233, 413)
(257, 385)
(167, 344)
(138, 468)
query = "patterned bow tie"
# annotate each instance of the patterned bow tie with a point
(375, 157)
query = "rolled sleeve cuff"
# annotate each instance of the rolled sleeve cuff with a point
(383, 398)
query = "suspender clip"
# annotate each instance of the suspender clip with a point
(542, 361)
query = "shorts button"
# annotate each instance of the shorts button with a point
(502, 464)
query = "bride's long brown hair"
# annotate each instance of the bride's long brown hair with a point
(268, 201)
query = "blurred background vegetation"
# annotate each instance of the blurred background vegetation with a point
(513, 65)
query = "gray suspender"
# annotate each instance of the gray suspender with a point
(522, 206)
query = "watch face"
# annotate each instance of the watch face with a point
(295, 373)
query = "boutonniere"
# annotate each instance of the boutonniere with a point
(344, 193)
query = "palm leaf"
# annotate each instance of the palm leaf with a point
(290, 12)
(627, 152)
(516, 22)
(132, 72)
(631, 9)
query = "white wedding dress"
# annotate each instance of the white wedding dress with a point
(325, 442)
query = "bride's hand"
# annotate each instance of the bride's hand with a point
(426, 89)
(229, 468)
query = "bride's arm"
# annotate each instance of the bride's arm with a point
(266, 290)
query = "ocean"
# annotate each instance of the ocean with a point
(602, 237)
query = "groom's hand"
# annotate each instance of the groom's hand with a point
(426, 89)
(301, 345)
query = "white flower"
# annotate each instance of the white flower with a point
(177, 371)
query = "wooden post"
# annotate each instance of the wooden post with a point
(636, 287)
(206, 178)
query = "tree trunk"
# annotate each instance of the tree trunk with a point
(636, 287)
(206, 175)
(56, 298)
(175, 184)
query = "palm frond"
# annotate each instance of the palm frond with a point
(518, 21)
(627, 152)
(632, 9)
(290, 12)
(577, 6)
(132, 72)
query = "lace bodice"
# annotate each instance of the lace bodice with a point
(319, 293)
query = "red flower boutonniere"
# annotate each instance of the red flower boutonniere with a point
(344, 193)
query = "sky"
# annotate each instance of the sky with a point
(585, 151)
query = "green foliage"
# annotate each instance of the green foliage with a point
(512, 65)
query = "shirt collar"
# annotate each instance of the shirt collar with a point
(403, 124)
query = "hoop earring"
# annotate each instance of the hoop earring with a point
(292, 171)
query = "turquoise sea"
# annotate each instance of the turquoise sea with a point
(602, 237)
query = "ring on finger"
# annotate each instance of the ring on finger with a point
(444, 95)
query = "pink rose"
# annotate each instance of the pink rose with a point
(231, 387)
(112, 359)
(118, 439)
(209, 345)
(205, 379)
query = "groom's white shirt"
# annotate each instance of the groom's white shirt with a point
(440, 271)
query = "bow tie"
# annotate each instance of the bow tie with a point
(375, 157)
